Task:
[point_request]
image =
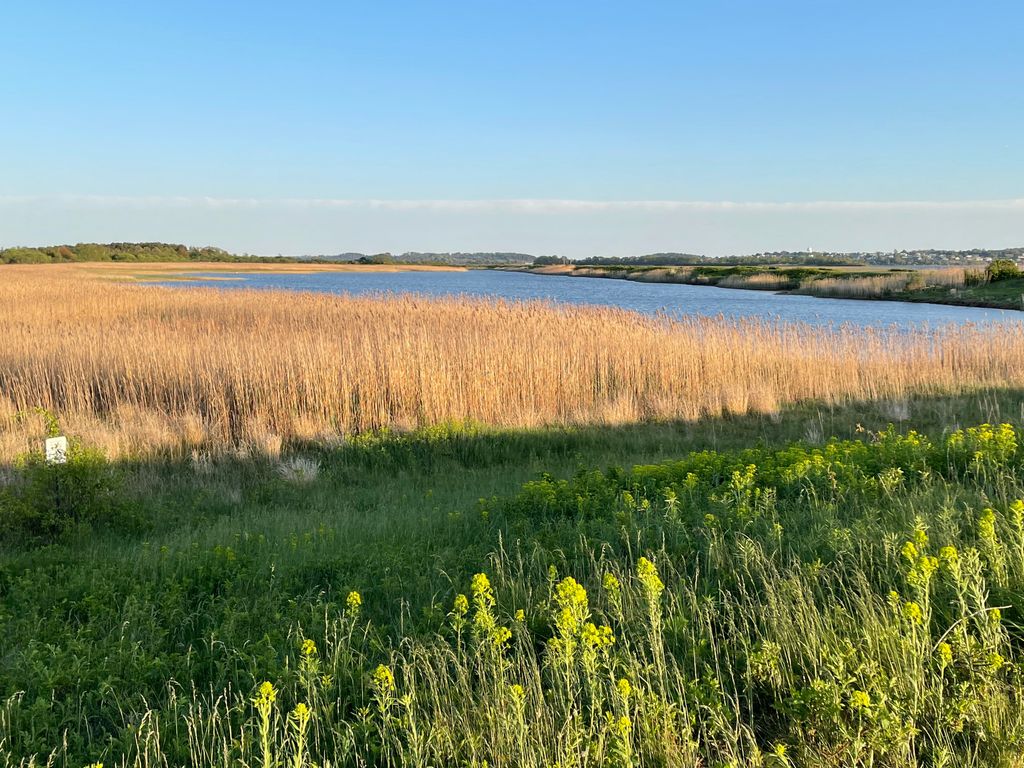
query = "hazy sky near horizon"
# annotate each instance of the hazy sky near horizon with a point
(576, 128)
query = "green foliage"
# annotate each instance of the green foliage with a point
(735, 485)
(142, 252)
(1002, 269)
(47, 502)
(852, 603)
(377, 258)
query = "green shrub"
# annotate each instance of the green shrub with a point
(51, 501)
(1002, 269)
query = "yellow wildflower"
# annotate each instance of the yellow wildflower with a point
(909, 552)
(500, 636)
(483, 596)
(945, 654)
(624, 688)
(860, 700)
(611, 583)
(647, 573)
(383, 681)
(265, 694)
(913, 612)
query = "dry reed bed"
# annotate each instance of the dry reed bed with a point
(140, 368)
(883, 285)
(759, 281)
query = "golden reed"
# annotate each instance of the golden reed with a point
(878, 286)
(139, 368)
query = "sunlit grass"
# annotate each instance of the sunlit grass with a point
(139, 370)
(336, 531)
(880, 286)
(855, 603)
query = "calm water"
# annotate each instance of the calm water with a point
(642, 297)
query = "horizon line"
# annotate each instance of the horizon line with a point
(517, 205)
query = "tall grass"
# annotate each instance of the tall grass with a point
(877, 286)
(855, 604)
(761, 281)
(143, 368)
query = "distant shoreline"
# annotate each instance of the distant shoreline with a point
(1007, 295)
(176, 271)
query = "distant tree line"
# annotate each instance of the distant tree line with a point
(456, 258)
(141, 252)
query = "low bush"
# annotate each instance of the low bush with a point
(1002, 269)
(43, 501)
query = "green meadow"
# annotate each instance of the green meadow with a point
(824, 586)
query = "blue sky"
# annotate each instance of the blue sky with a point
(270, 127)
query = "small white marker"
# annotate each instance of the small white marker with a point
(57, 450)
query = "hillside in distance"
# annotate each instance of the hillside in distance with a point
(171, 252)
(176, 252)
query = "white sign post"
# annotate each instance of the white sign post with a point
(56, 450)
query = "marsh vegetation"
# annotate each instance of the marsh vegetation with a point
(141, 369)
(998, 285)
(543, 536)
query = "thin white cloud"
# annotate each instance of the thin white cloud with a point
(538, 206)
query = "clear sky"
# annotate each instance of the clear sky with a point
(577, 128)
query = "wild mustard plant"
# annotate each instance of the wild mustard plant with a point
(570, 611)
(653, 586)
(920, 570)
(982, 450)
(613, 594)
(299, 719)
(1016, 516)
(671, 502)
(457, 617)
(991, 547)
(651, 589)
(620, 733)
(264, 701)
(483, 604)
(488, 632)
(519, 725)
(382, 684)
(595, 647)
(353, 603)
(309, 670)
